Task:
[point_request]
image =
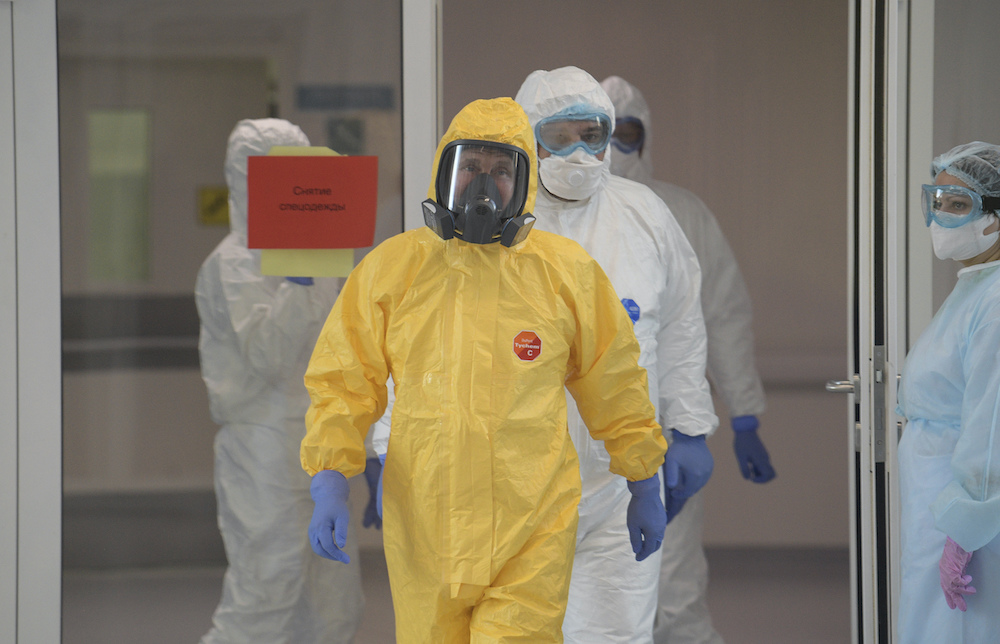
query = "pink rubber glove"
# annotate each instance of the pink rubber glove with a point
(954, 581)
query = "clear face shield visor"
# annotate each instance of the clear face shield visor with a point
(954, 206)
(483, 179)
(629, 134)
(562, 134)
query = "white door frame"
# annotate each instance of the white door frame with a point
(30, 327)
(890, 136)
(911, 264)
(421, 102)
(31, 499)
(8, 337)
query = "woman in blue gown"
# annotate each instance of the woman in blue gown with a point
(949, 455)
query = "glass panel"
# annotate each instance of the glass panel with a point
(149, 93)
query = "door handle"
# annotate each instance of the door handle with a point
(844, 386)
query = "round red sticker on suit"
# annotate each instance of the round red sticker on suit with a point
(527, 345)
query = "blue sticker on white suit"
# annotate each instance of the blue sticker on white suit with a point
(631, 308)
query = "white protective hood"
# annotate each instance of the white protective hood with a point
(629, 103)
(546, 93)
(252, 137)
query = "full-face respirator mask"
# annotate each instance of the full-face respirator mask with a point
(482, 187)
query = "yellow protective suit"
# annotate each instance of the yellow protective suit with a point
(481, 480)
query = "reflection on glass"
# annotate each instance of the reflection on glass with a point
(118, 160)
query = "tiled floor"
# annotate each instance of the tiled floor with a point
(756, 597)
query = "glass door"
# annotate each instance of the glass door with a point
(148, 94)
(150, 91)
(889, 267)
(922, 82)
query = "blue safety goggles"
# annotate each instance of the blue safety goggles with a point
(563, 133)
(629, 134)
(954, 206)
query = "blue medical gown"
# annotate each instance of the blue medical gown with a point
(949, 462)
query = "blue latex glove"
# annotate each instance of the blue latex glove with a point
(304, 281)
(751, 455)
(687, 465)
(646, 518)
(378, 501)
(331, 516)
(373, 474)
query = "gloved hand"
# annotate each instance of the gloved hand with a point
(378, 501)
(331, 516)
(751, 455)
(687, 465)
(304, 281)
(373, 474)
(646, 517)
(954, 581)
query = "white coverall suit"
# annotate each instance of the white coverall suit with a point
(257, 333)
(632, 235)
(683, 617)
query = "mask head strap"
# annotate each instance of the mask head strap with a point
(991, 204)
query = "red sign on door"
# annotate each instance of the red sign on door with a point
(527, 345)
(311, 201)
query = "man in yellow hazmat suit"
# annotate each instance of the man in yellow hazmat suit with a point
(481, 325)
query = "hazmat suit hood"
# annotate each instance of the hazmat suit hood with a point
(547, 93)
(500, 120)
(630, 103)
(252, 137)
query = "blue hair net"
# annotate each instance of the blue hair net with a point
(976, 163)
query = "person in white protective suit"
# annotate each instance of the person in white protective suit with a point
(683, 615)
(257, 333)
(949, 455)
(653, 268)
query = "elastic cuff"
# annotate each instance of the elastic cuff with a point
(638, 488)
(327, 479)
(745, 423)
(678, 435)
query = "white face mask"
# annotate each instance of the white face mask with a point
(575, 176)
(964, 242)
